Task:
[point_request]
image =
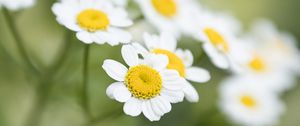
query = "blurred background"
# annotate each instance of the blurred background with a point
(59, 87)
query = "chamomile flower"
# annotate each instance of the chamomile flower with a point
(17, 4)
(168, 15)
(179, 60)
(147, 86)
(282, 45)
(94, 20)
(218, 34)
(246, 103)
(258, 62)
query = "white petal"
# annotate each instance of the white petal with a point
(221, 62)
(117, 36)
(217, 58)
(66, 15)
(133, 107)
(122, 94)
(130, 55)
(172, 80)
(111, 88)
(140, 49)
(190, 92)
(173, 85)
(186, 56)
(158, 62)
(172, 96)
(151, 41)
(101, 37)
(197, 74)
(125, 36)
(160, 105)
(85, 37)
(119, 18)
(148, 111)
(72, 26)
(115, 69)
(169, 75)
(168, 41)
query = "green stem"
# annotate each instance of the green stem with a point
(42, 93)
(44, 88)
(200, 56)
(19, 42)
(85, 95)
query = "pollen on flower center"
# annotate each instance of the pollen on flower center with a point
(167, 8)
(92, 20)
(174, 61)
(143, 82)
(257, 64)
(248, 101)
(216, 39)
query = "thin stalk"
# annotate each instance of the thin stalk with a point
(85, 72)
(200, 56)
(46, 83)
(42, 93)
(19, 41)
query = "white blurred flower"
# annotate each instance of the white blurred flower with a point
(146, 86)
(245, 102)
(179, 60)
(282, 45)
(94, 20)
(263, 57)
(17, 4)
(168, 15)
(218, 34)
(258, 65)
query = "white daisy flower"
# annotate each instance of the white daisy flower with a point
(17, 4)
(146, 86)
(218, 34)
(94, 20)
(259, 61)
(179, 60)
(168, 15)
(252, 59)
(283, 46)
(248, 104)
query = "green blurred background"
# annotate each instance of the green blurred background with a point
(60, 91)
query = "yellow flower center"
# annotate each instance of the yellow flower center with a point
(92, 20)
(248, 101)
(167, 8)
(216, 39)
(174, 61)
(143, 82)
(257, 64)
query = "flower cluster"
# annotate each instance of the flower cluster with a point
(263, 62)
(156, 78)
(266, 67)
